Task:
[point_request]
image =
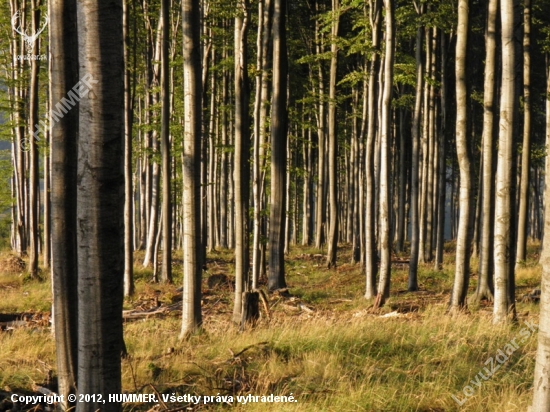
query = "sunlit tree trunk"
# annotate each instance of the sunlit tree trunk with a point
(371, 259)
(541, 384)
(463, 241)
(166, 274)
(192, 265)
(385, 138)
(521, 253)
(504, 277)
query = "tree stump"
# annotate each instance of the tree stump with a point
(251, 309)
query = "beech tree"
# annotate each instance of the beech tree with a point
(276, 276)
(385, 136)
(504, 275)
(192, 91)
(242, 167)
(485, 283)
(63, 76)
(100, 202)
(463, 241)
(541, 383)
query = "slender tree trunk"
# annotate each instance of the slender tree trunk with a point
(192, 265)
(260, 109)
(276, 277)
(63, 76)
(34, 189)
(332, 239)
(415, 136)
(485, 284)
(504, 277)
(242, 168)
(320, 212)
(521, 253)
(371, 259)
(166, 274)
(46, 252)
(541, 384)
(100, 197)
(442, 161)
(463, 241)
(385, 138)
(128, 187)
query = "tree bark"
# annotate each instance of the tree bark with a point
(463, 241)
(415, 161)
(63, 76)
(385, 137)
(332, 239)
(521, 252)
(166, 274)
(504, 277)
(128, 187)
(276, 277)
(371, 259)
(541, 384)
(485, 283)
(100, 197)
(34, 189)
(242, 167)
(192, 265)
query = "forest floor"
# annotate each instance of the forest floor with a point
(324, 346)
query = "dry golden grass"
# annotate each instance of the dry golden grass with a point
(341, 356)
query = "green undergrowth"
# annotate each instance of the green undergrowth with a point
(337, 354)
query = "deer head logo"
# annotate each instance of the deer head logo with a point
(29, 39)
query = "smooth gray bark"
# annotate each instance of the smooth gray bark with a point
(100, 203)
(463, 240)
(276, 276)
(192, 265)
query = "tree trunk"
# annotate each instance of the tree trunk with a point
(128, 187)
(332, 239)
(442, 161)
(264, 21)
(100, 198)
(242, 168)
(276, 277)
(485, 283)
(415, 161)
(34, 189)
(385, 137)
(63, 76)
(320, 210)
(166, 274)
(192, 265)
(521, 253)
(541, 384)
(504, 277)
(463, 241)
(371, 259)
